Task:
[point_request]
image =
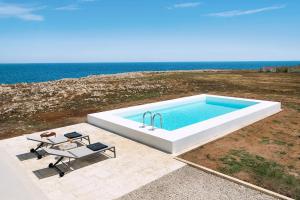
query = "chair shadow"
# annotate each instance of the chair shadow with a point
(74, 164)
(29, 155)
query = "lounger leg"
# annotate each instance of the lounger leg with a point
(113, 150)
(88, 139)
(51, 165)
(60, 159)
(39, 156)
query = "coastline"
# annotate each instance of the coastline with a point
(123, 74)
(42, 72)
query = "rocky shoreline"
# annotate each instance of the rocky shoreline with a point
(26, 99)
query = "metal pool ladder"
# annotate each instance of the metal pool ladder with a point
(153, 120)
(144, 116)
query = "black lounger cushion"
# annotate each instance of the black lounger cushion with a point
(72, 135)
(96, 146)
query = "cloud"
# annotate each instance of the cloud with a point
(70, 7)
(185, 5)
(75, 6)
(20, 12)
(234, 13)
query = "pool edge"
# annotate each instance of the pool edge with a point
(198, 134)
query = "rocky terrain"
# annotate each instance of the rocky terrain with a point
(23, 106)
(25, 100)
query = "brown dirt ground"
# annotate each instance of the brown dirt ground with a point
(276, 138)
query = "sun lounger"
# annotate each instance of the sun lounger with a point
(77, 153)
(52, 141)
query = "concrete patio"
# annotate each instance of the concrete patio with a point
(137, 166)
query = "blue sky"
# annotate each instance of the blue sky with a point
(148, 30)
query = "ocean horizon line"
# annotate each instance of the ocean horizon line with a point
(41, 72)
(99, 62)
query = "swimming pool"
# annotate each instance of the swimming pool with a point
(179, 116)
(178, 124)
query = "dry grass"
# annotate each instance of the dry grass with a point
(266, 153)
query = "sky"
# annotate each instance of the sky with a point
(148, 30)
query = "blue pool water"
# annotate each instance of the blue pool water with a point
(19, 73)
(187, 114)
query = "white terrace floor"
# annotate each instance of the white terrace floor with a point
(135, 166)
(25, 177)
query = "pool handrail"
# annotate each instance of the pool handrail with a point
(144, 116)
(153, 120)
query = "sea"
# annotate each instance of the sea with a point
(41, 72)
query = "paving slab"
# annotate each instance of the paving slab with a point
(96, 177)
(15, 185)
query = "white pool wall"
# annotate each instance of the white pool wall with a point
(130, 131)
(180, 139)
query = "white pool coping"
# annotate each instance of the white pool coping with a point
(183, 138)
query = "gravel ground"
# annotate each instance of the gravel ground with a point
(191, 183)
